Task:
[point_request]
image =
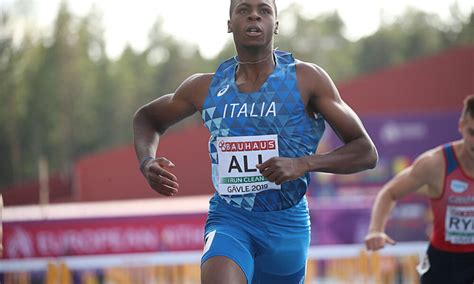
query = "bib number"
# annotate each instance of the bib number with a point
(238, 157)
(459, 224)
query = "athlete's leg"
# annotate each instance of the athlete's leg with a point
(263, 277)
(286, 264)
(463, 264)
(226, 259)
(282, 252)
(440, 268)
(228, 250)
(221, 269)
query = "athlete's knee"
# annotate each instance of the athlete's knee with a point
(221, 269)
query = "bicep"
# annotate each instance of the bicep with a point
(422, 177)
(404, 183)
(185, 101)
(342, 119)
(167, 110)
(326, 100)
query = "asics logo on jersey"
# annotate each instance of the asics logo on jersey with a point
(223, 90)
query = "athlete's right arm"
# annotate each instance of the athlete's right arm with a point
(424, 173)
(151, 121)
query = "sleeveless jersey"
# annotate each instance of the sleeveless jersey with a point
(453, 212)
(249, 128)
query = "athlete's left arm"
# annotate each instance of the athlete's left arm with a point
(358, 152)
(320, 95)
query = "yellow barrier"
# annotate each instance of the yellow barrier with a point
(58, 273)
(366, 268)
(18, 278)
(89, 278)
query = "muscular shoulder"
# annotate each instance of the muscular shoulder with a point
(194, 89)
(315, 85)
(431, 160)
(429, 167)
(198, 79)
(314, 79)
(310, 73)
(303, 66)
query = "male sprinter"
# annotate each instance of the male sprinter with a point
(265, 112)
(446, 175)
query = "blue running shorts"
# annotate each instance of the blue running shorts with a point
(269, 247)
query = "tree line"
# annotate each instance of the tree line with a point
(62, 97)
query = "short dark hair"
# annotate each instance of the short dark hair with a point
(233, 4)
(468, 108)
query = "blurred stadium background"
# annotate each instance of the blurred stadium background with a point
(77, 210)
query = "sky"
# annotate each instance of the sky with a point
(204, 22)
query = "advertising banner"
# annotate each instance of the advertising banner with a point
(50, 238)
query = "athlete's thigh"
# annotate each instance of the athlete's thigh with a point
(464, 268)
(232, 249)
(438, 268)
(221, 269)
(227, 234)
(297, 276)
(284, 262)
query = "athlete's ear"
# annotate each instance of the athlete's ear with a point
(229, 27)
(275, 31)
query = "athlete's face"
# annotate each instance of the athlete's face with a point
(466, 128)
(253, 22)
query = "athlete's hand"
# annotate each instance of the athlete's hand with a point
(159, 178)
(280, 169)
(377, 240)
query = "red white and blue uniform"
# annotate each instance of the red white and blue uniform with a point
(451, 251)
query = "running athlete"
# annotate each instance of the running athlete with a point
(445, 175)
(265, 112)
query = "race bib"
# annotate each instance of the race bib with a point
(238, 157)
(459, 224)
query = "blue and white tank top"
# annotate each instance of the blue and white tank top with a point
(249, 128)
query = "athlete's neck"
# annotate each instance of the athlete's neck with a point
(253, 62)
(250, 78)
(254, 75)
(465, 156)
